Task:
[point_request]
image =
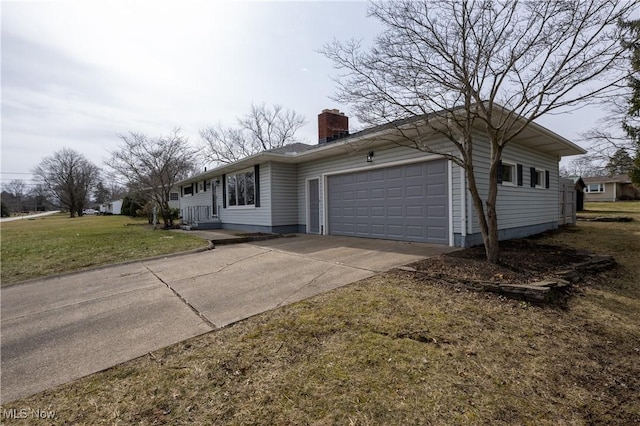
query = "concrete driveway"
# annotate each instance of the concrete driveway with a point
(59, 329)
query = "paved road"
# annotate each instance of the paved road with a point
(27, 217)
(59, 329)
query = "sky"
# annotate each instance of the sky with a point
(77, 74)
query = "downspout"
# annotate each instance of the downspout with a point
(463, 205)
(450, 195)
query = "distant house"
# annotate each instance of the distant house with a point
(365, 185)
(112, 207)
(610, 188)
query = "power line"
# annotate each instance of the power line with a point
(16, 173)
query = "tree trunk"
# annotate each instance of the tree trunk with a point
(486, 212)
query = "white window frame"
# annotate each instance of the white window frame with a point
(234, 175)
(192, 191)
(601, 188)
(541, 179)
(514, 173)
(174, 194)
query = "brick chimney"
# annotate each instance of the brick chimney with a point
(332, 125)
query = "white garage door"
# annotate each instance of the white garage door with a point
(408, 203)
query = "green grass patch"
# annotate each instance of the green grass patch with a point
(395, 349)
(56, 244)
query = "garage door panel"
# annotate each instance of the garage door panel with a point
(403, 202)
(434, 190)
(415, 191)
(395, 231)
(395, 211)
(377, 194)
(437, 212)
(362, 194)
(414, 171)
(415, 231)
(395, 192)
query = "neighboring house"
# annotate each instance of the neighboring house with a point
(112, 207)
(365, 186)
(609, 188)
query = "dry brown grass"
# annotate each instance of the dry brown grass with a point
(394, 349)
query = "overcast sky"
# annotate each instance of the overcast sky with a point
(78, 73)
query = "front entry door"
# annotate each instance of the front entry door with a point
(313, 226)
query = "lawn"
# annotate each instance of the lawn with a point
(56, 244)
(397, 349)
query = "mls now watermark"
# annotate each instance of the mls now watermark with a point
(28, 413)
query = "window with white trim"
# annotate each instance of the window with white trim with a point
(241, 189)
(187, 190)
(508, 173)
(174, 196)
(594, 187)
(540, 179)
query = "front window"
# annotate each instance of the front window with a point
(241, 189)
(173, 196)
(594, 187)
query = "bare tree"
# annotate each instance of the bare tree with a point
(68, 177)
(262, 129)
(154, 165)
(583, 166)
(454, 68)
(16, 187)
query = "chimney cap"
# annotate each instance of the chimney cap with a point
(333, 111)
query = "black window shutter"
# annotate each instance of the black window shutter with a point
(519, 167)
(546, 179)
(224, 191)
(256, 177)
(196, 185)
(182, 191)
(204, 185)
(500, 171)
(533, 177)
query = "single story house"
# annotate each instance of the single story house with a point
(112, 207)
(366, 185)
(610, 188)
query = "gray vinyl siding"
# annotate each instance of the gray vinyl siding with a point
(202, 198)
(284, 194)
(518, 206)
(352, 159)
(252, 215)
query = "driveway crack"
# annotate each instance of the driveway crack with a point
(303, 287)
(185, 301)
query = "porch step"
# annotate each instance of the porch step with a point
(206, 225)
